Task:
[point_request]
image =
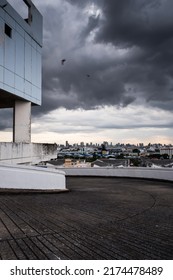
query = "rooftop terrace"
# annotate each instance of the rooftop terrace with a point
(100, 218)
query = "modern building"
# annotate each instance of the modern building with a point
(20, 65)
(167, 150)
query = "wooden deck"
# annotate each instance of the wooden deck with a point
(100, 218)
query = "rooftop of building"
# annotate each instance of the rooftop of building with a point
(99, 218)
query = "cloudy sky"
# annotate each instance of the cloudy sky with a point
(116, 84)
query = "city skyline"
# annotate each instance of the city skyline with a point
(116, 81)
(111, 144)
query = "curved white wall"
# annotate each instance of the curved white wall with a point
(31, 178)
(40, 178)
(147, 173)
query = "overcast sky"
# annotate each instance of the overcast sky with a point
(116, 84)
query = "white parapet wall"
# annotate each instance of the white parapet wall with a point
(31, 178)
(133, 172)
(26, 153)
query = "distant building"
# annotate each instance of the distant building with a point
(105, 143)
(141, 145)
(66, 143)
(167, 150)
(20, 65)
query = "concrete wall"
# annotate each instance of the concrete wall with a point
(22, 122)
(31, 178)
(26, 153)
(147, 173)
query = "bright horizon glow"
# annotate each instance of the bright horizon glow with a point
(52, 138)
(133, 124)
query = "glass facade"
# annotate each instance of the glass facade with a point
(20, 53)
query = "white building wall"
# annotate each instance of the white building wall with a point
(20, 54)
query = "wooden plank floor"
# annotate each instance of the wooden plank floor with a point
(100, 218)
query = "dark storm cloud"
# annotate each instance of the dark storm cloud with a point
(147, 25)
(133, 22)
(94, 74)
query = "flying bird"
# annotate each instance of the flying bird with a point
(88, 75)
(62, 61)
(3, 6)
